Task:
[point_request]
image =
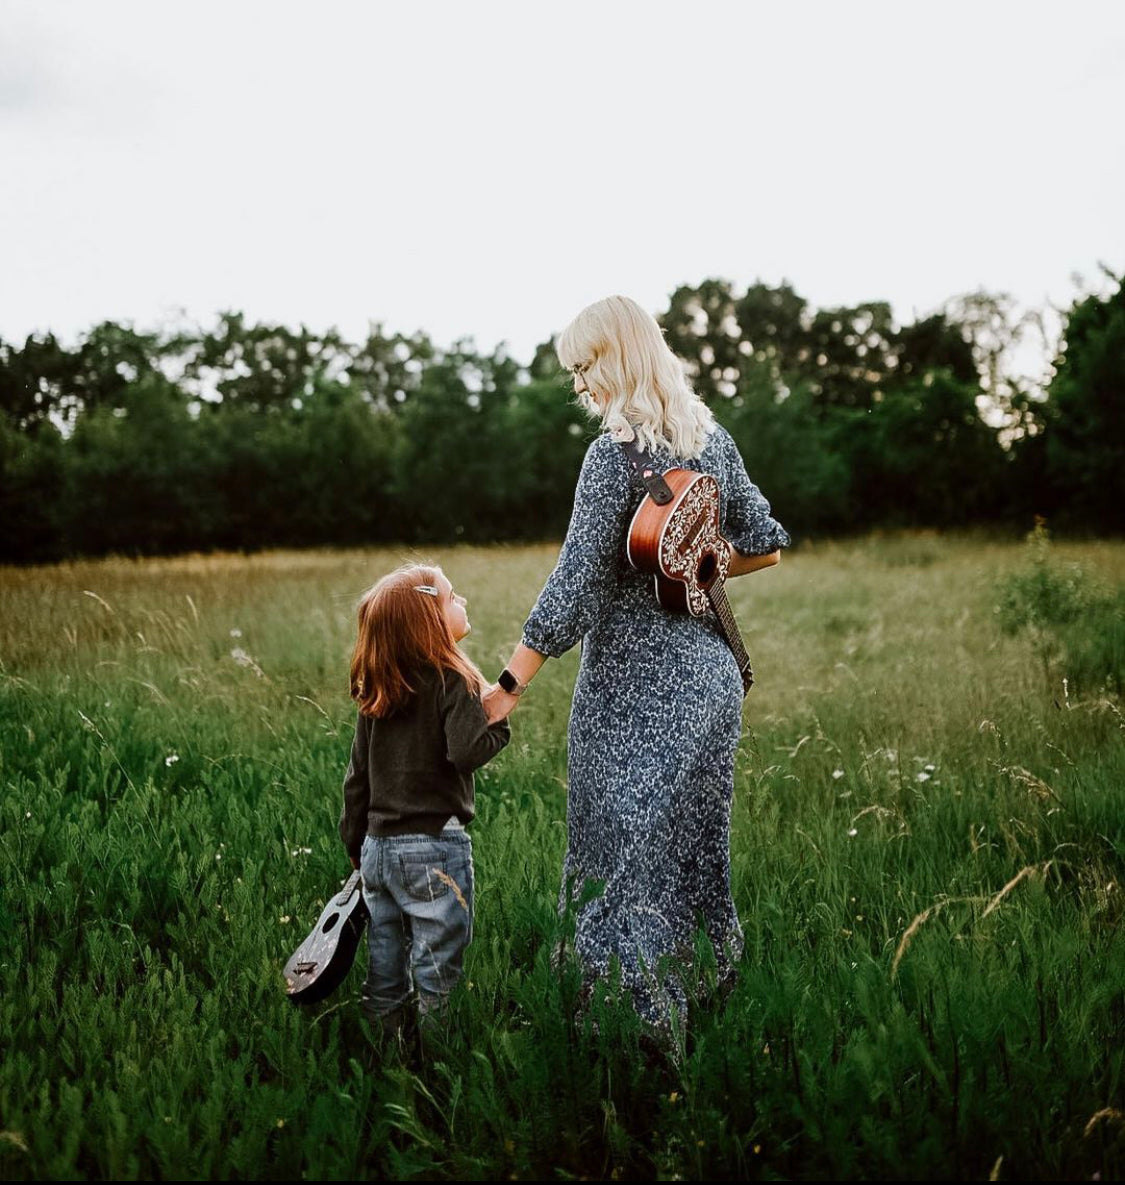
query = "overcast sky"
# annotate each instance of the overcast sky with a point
(487, 169)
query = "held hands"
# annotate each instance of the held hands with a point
(498, 703)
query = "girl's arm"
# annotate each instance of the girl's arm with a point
(471, 739)
(353, 816)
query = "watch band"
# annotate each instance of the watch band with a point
(510, 683)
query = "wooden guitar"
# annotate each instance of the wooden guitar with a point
(318, 966)
(675, 536)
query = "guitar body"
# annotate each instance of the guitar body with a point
(319, 965)
(680, 543)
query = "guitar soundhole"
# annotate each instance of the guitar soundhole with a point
(330, 923)
(705, 573)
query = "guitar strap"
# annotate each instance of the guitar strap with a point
(653, 480)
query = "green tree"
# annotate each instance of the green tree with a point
(265, 368)
(33, 380)
(387, 369)
(935, 343)
(700, 326)
(790, 452)
(133, 474)
(924, 456)
(31, 492)
(1086, 412)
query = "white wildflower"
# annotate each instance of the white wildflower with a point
(837, 773)
(171, 759)
(236, 633)
(853, 831)
(922, 776)
(244, 660)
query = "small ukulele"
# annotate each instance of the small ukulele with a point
(675, 535)
(319, 965)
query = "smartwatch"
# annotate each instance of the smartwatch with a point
(510, 683)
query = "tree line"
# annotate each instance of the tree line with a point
(243, 436)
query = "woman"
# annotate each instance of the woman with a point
(657, 708)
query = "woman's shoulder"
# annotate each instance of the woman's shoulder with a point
(605, 461)
(603, 448)
(719, 441)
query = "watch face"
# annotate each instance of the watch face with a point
(508, 681)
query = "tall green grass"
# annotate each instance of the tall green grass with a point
(928, 854)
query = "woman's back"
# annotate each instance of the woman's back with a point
(594, 588)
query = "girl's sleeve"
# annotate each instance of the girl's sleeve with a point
(470, 741)
(353, 816)
(747, 522)
(586, 572)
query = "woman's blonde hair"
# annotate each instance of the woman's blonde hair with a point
(402, 632)
(620, 353)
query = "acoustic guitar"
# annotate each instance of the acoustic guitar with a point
(675, 535)
(319, 965)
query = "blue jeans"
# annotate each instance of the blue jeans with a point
(420, 893)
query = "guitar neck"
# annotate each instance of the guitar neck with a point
(717, 596)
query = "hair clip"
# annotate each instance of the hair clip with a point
(428, 589)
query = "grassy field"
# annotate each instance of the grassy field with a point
(928, 856)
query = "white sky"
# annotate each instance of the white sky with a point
(486, 169)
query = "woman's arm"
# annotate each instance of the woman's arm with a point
(743, 565)
(755, 536)
(585, 575)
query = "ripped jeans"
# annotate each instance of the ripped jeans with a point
(420, 893)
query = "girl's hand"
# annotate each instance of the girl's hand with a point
(498, 703)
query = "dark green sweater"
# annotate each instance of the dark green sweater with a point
(411, 771)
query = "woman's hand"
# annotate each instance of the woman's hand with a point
(498, 703)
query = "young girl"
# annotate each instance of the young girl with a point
(408, 792)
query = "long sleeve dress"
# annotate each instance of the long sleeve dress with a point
(654, 726)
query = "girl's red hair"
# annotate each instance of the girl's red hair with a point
(402, 632)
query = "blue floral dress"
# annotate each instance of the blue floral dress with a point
(654, 726)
